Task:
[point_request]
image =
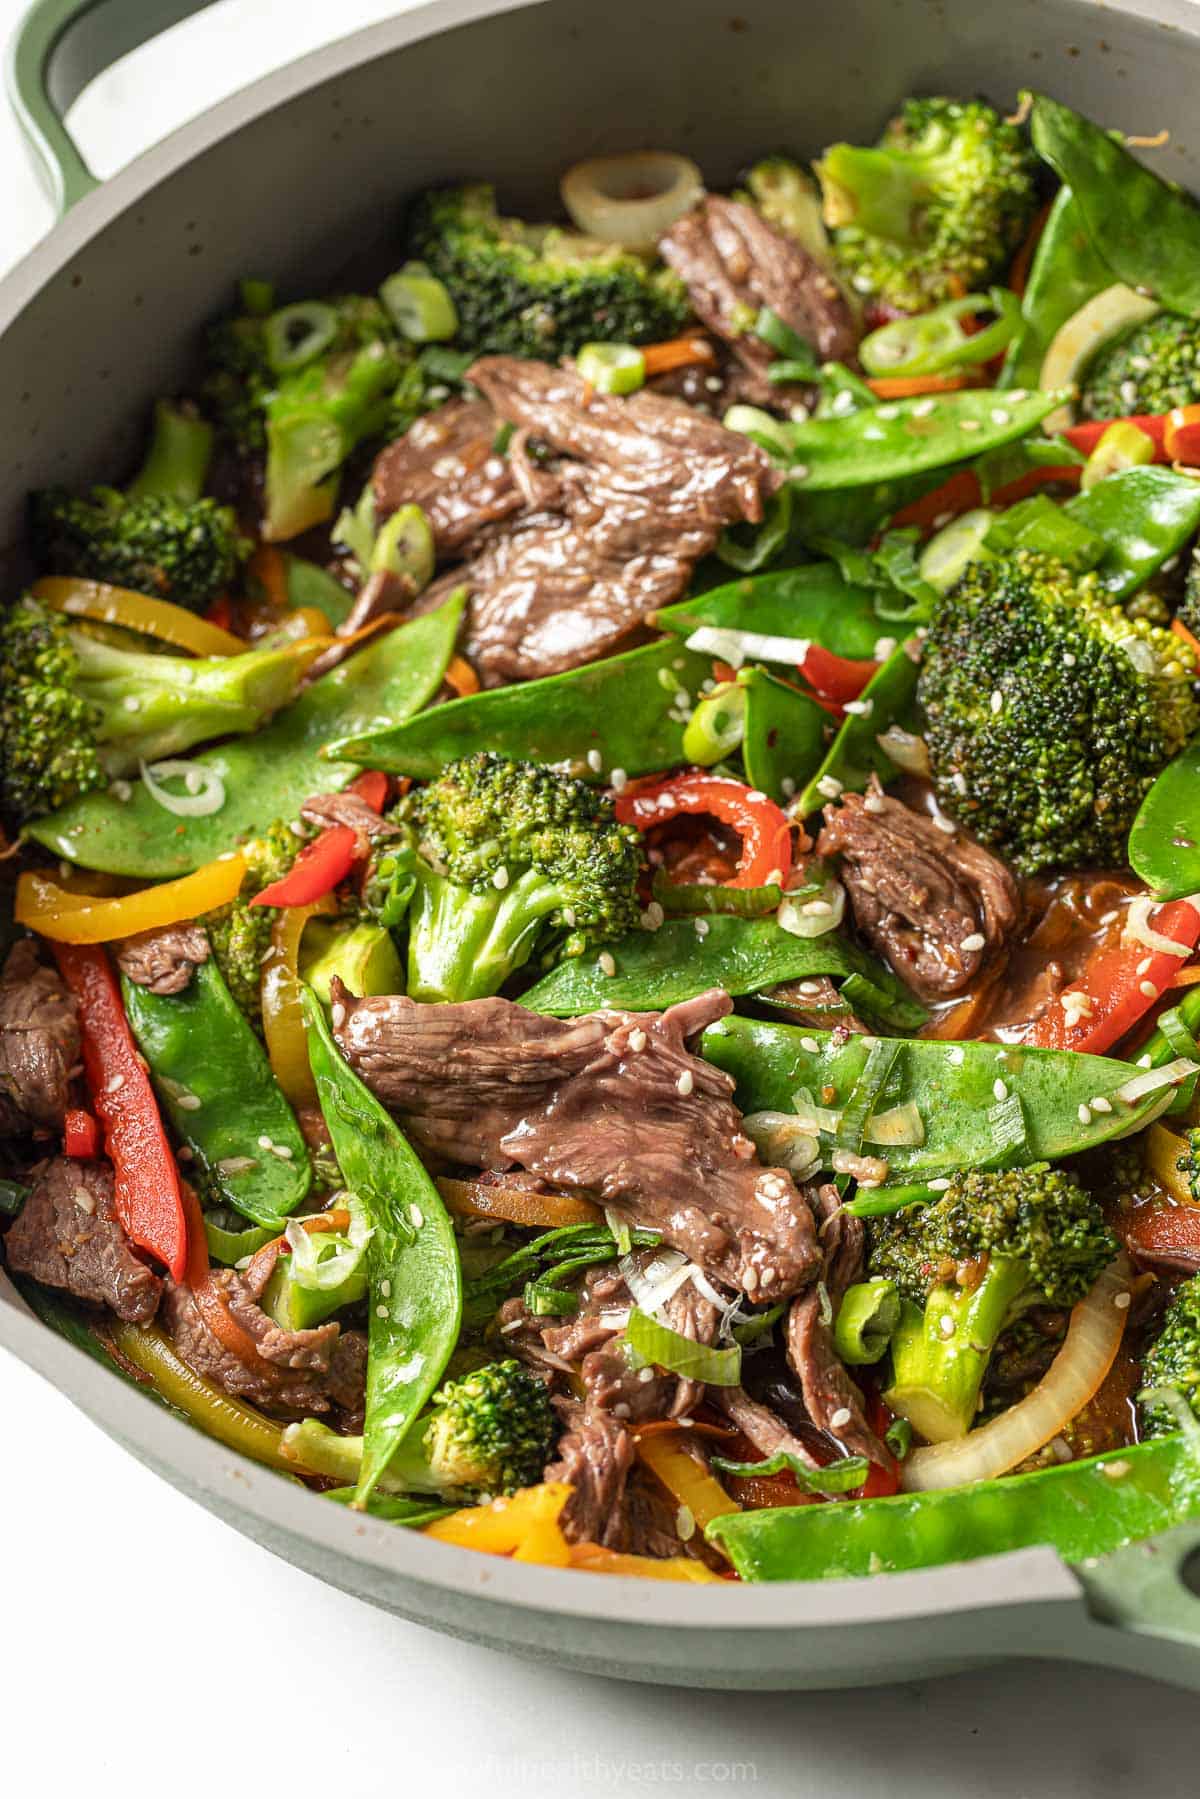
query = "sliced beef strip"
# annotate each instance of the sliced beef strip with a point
(614, 1104)
(595, 1455)
(760, 1425)
(163, 960)
(733, 262)
(611, 535)
(831, 1398)
(445, 464)
(937, 906)
(39, 1043)
(595, 1342)
(67, 1235)
(308, 1371)
(814, 1002)
(325, 809)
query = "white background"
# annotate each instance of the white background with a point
(143, 1642)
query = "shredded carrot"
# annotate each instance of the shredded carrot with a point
(905, 387)
(1018, 274)
(1181, 631)
(676, 353)
(461, 676)
(268, 568)
(1185, 977)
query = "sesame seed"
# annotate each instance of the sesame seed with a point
(115, 1085)
(282, 1151)
(1121, 1301)
(957, 1057)
(1114, 1470)
(997, 700)
(774, 877)
(810, 1045)
(959, 782)
(859, 708)
(188, 1102)
(768, 1275)
(685, 1524)
(621, 1410)
(645, 1374)
(946, 1326)
(606, 964)
(619, 780)
(817, 908)
(975, 941)
(873, 803)
(829, 786)
(381, 1311)
(1085, 1116)
(841, 1418)
(999, 1089)
(945, 824)
(941, 1185)
(1148, 988)
(132, 703)
(418, 1217)
(923, 408)
(799, 471)
(1100, 1104)
(653, 916)
(595, 761)
(1000, 416)
(84, 1200)
(810, 988)
(887, 412)
(338, 1015)
(385, 1287)
(968, 424)
(569, 916)
(1146, 1061)
(637, 1040)
(685, 1083)
(713, 383)
(265, 1142)
(750, 1279)
(755, 797)
(1146, 963)
(500, 879)
(700, 926)
(1068, 659)
(884, 647)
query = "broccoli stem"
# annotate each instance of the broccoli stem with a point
(877, 190)
(176, 465)
(940, 1355)
(464, 945)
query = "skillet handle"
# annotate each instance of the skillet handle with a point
(1151, 1590)
(57, 49)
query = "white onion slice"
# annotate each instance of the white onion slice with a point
(631, 200)
(904, 749)
(1140, 930)
(736, 647)
(1153, 1079)
(654, 1284)
(1092, 1340)
(201, 804)
(901, 1124)
(784, 1141)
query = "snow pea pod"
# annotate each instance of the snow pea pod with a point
(908, 437)
(855, 755)
(1066, 274)
(815, 602)
(967, 1094)
(308, 584)
(1083, 1509)
(783, 736)
(656, 969)
(266, 776)
(1145, 230)
(216, 1086)
(1145, 516)
(412, 1257)
(1164, 843)
(626, 712)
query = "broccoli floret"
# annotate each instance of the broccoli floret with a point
(239, 933)
(513, 857)
(535, 290)
(160, 536)
(79, 707)
(1150, 368)
(967, 1265)
(1049, 711)
(1173, 1359)
(789, 199)
(305, 412)
(942, 200)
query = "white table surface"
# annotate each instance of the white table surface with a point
(132, 1619)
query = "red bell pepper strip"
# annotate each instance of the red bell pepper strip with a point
(320, 867)
(81, 1135)
(766, 835)
(1164, 1233)
(1121, 984)
(146, 1181)
(372, 788)
(837, 678)
(1181, 439)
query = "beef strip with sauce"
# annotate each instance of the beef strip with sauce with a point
(67, 1235)
(446, 465)
(163, 960)
(936, 905)
(613, 1103)
(733, 263)
(326, 809)
(39, 1043)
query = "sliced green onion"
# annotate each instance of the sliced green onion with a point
(751, 1329)
(356, 527)
(931, 342)
(654, 1342)
(838, 1477)
(12, 1197)
(885, 1200)
(543, 1300)
(1010, 1135)
(763, 428)
(296, 335)
(898, 1436)
(205, 788)
(257, 297)
(716, 727)
(866, 1090)
(1039, 524)
(1180, 1040)
(900, 1125)
(612, 368)
(779, 335)
(866, 1318)
(404, 547)
(419, 304)
(693, 898)
(945, 558)
(1124, 445)
(233, 1246)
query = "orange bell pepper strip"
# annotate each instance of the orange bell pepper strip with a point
(691, 1485)
(66, 917)
(136, 612)
(505, 1526)
(146, 1186)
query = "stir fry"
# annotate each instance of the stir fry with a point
(603, 883)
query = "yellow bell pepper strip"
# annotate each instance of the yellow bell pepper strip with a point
(505, 1526)
(235, 1425)
(146, 1187)
(695, 1490)
(66, 917)
(592, 1558)
(282, 1011)
(136, 612)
